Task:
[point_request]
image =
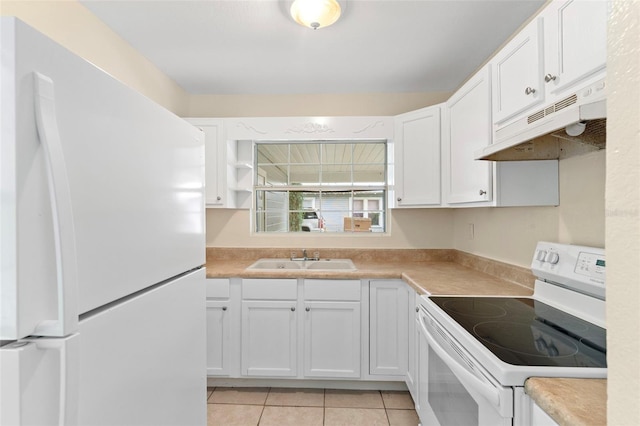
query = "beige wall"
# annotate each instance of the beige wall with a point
(73, 26)
(411, 228)
(623, 214)
(510, 234)
(311, 105)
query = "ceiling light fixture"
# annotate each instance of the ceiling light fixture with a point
(315, 13)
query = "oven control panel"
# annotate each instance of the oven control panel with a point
(578, 267)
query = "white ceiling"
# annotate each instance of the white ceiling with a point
(254, 47)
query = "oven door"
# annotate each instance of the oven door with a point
(453, 388)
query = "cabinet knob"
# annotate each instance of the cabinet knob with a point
(548, 78)
(529, 91)
(399, 199)
(482, 192)
(417, 309)
(218, 198)
(307, 309)
(224, 308)
(293, 309)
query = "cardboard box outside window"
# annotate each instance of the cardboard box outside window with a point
(357, 224)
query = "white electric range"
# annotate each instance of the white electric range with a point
(476, 352)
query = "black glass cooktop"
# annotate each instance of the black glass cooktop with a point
(523, 331)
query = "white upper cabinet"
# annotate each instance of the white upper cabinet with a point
(518, 73)
(575, 42)
(467, 128)
(215, 155)
(417, 156)
(563, 49)
(473, 183)
(228, 166)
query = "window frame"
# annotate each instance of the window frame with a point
(354, 190)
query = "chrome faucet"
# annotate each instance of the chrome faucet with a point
(305, 257)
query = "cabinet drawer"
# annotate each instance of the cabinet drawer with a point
(270, 289)
(332, 290)
(218, 288)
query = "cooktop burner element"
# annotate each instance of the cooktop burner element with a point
(524, 331)
(475, 308)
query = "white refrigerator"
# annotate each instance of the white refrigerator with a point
(102, 291)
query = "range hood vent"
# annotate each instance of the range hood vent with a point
(571, 126)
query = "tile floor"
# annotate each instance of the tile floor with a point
(308, 407)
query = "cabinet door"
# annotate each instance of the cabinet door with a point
(215, 160)
(468, 129)
(218, 338)
(269, 338)
(517, 74)
(388, 327)
(575, 33)
(417, 168)
(332, 339)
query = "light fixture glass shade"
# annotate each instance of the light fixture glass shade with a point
(315, 13)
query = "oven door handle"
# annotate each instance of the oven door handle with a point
(489, 392)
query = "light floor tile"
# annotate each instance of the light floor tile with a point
(292, 416)
(340, 398)
(403, 417)
(233, 415)
(355, 417)
(296, 397)
(401, 400)
(253, 396)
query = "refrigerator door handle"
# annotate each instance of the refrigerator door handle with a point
(41, 384)
(69, 349)
(62, 213)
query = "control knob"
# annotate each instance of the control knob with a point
(540, 255)
(552, 257)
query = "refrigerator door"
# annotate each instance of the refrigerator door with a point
(143, 361)
(135, 182)
(39, 383)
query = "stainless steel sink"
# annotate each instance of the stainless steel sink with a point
(318, 265)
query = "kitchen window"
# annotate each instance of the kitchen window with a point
(321, 186)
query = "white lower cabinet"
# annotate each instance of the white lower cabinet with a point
(218, 335)
(269, 343)
(388, 327)
(332, 328)
(269, 328)
(332, 339)
(311, 329)
(221, 317)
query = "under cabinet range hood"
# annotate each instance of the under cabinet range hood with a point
(574, 124)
